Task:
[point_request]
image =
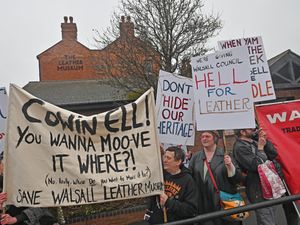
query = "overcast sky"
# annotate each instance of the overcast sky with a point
(32, 26)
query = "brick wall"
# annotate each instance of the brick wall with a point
(285, 93)
(115, 217)
(70, 60)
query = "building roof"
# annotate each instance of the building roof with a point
(75, 92)
(58, 45)
(285, 70)
(279, 56)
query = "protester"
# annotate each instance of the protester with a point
(22, 215)
(289, 209)
(179, 201)
(251, 149)
(226, 174)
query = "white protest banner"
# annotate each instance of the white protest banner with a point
(262, 85)
(55, 157)
(222, 90)
(174, 109)
(3, 116)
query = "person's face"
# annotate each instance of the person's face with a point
(170, 164)
(207, 139)
(248, 133)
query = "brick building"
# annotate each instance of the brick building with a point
(80, 79)
(70, 60)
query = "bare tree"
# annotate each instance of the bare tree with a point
(128, 61)
(176, 29)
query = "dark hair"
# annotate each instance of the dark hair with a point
(178, 153)
(237, 132)
(214, 133)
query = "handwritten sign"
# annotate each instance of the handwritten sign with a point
(262, 85)
(222, 90)
(55, 157)
(3, 116)
(174, 109)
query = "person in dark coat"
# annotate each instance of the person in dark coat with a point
(226, 174)
(179, 199)
(249, 153)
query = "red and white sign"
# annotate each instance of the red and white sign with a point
(282, 124)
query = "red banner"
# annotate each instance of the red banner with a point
(282, 124)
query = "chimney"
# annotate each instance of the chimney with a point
(126, 27)
(69, 29)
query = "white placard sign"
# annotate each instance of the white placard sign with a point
(55, 157)
(3, 116)
(223, 98)
(262, 85)
(174, 109)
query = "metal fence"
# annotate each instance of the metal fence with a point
(248, 207)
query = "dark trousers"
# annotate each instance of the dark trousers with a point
(290, 214)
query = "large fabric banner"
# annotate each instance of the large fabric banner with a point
(222, 90)
(174, 109)
(3, 116)
(262, 85)
(55, 157)
(282, 124)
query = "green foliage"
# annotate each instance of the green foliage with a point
(133, 95)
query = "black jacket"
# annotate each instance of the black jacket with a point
(248, 157)
(182, 201)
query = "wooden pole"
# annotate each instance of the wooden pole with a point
(224, 143)
(165, 214)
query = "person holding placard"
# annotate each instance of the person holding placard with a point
(179, 200)
(226, 176)
(250, 150)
